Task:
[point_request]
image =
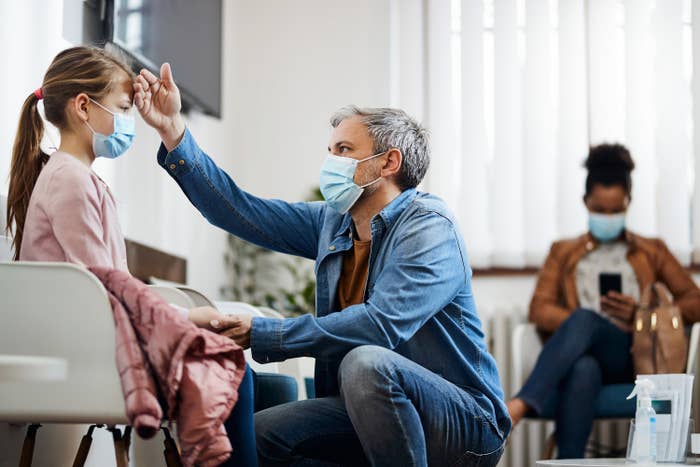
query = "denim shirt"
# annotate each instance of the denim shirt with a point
(418, 296)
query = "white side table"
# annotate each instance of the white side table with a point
(593, 463)
(15, 368)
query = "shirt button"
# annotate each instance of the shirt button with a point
(172, 166)
(181, 162)
(332, 247)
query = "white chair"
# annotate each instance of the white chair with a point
(197, 297)
(173, 296)
(62, 310)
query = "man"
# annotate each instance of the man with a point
(403, 376)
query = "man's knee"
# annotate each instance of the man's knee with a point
(363, 367)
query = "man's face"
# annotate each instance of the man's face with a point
(351, 139)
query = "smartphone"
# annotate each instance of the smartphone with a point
(609, 282)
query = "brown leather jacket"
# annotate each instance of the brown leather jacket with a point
(556, 295)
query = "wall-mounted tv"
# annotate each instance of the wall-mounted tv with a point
(186, 33)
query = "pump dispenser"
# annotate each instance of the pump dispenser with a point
(644, 442)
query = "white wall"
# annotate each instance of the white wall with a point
(287, 67)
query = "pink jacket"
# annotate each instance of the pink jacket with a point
(198, 372)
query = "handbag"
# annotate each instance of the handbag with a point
(659, 343)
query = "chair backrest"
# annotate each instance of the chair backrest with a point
(197, 297)
(59, 310)
(270, 313)
(173, 295)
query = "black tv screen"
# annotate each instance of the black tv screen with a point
(186, 33)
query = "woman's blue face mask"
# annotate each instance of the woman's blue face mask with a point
(116, 144)
(606, 227)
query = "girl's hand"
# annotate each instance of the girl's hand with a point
(203, 316)
(158, 102)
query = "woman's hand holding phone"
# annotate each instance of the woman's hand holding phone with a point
(619, 305)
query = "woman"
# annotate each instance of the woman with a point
(61, 209)
(591, 334)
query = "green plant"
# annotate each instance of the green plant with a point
(264, 278)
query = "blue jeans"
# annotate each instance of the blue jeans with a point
(240, 426)
(390, 412)
(586, 352)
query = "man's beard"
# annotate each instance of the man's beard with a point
(368, 192)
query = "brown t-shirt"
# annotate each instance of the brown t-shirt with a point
(353, 277)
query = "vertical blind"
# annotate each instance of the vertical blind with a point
(517, 90)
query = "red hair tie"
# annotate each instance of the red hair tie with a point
(39, 94)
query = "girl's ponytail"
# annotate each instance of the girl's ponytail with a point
(27, 161)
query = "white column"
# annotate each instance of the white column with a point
(640, 113)
(474, 209)
(538, 159)
(672, 95)
(572, 142)
(696, 131)
(443, 179)
(407, 56)
(506, 180)
(606, 90)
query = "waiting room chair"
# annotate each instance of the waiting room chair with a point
(612, 402)
(62, 310)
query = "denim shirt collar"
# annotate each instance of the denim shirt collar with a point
(388, 215)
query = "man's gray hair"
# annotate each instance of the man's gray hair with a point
(394, 128)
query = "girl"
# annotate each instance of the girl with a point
(61, 210)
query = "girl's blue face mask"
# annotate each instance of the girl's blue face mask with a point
(116, 144)
(606, 227)
(338, 181)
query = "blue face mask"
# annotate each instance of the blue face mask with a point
(338, 181)
(606, 227)
(116, 144)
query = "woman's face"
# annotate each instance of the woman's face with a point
(607, 199)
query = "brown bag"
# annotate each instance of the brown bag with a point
(659, 344)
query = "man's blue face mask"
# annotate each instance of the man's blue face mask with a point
(606, 227)
(116, 144)
(338, 181)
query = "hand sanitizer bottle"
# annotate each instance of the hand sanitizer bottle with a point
(645, 423)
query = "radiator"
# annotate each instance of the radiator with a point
(527, 441)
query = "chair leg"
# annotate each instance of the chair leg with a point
(127, 439)
(119, 448)
(84, 448)
(28, 446)
(549, 446)
(172, 455)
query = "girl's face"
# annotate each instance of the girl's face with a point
(83, 111)
(119, 100)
